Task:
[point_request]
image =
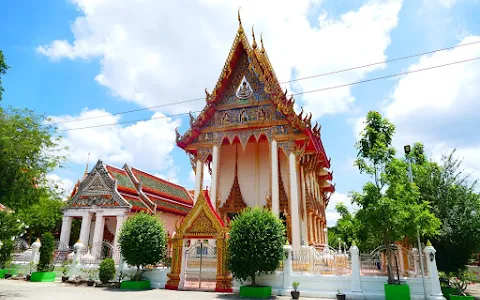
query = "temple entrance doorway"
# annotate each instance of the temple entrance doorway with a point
(200, 269)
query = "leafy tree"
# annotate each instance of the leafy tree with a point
(390, 207)
(143, 241)
(455, 202)
(3, 70)
(43, 216)
(256, 244)
(28, 153)
(46, 253)
(106, 270)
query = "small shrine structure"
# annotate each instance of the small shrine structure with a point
(108, 195)
(259, 151)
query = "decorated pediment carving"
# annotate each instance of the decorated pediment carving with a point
(202, 225)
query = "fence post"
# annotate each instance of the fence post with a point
(435, 290)
(356, 283)
(35, 250)
(287, 269)
(77, 249)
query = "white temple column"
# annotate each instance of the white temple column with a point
(294, 211)
(118, 228)
(98, 234)
(215, 161)
(85, 229)
(275, 183)
(65, 232)
(198, 180)
(304, 204)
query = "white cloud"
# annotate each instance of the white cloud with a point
(440, 107)
(157, 52)
(146, 145)
(332, 214)
(63, 186)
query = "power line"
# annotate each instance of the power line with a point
(300, 93)
(126, 122)
(288, 81)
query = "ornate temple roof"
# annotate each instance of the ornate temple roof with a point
(138, 189)
(259, 62)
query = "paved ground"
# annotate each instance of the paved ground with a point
(16, 289)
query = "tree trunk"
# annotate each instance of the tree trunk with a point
(137, 275)
(253, 280)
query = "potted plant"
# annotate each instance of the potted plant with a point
(295, 294)
(143, 241)
(447, 288)
(65, 268)
(340, 296)
(253, 254)
(8, 271)
(106, 270)
(45, 264)
(461, 283)
(31, 267)
(6, 251)
(90, 275)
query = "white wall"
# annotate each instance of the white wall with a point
(253, 172)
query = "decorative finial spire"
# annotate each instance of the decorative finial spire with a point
(239, 19)
(261, 43)
(254, 45)
(86, 167)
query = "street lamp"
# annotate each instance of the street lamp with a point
(407, 150)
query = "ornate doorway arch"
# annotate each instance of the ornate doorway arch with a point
(201, 223)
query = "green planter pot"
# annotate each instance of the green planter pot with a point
(43, 277)
(135, 285)
(255, 291)
(457, 297)
(447, 291)
(6, 271)
(397, 292)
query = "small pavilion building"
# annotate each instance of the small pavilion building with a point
(108, 195)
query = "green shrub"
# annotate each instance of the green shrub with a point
(107, 270)
(6, 253)
(143, 241)
(46, 253)
(256, 244)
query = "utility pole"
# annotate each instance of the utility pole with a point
(420, 252)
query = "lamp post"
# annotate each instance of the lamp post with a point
(407, 150)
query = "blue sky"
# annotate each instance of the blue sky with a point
(81, 59)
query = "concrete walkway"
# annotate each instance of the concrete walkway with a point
(18, 289)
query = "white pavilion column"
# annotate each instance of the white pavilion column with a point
(98, 234)
(65, 232)
(85, 229)
(275, 184)
(215, 158)
(198, 180)
(118, 227)
(435, 289)
(294, 211)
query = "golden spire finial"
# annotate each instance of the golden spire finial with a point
(254, 44)
(261, 42)
(239, 19)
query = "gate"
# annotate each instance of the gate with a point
(200, 267)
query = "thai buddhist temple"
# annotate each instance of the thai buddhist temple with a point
(107, 195)
(258, 150)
